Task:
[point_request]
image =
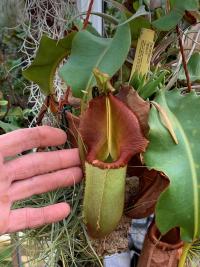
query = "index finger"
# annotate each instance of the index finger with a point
(24, 218)
(16, 142)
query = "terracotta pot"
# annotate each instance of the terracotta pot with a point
(160, 251)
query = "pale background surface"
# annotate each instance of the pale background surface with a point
(97, 7)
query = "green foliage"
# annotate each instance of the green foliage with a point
(178, 8)
(137, 20)
(169, 21)
(179, 204)
(147, 88)
(14, 112)
(11, 117)
(89, 52)
(185, 4)
(8, 127)
(193, 68)
(5, 256)
(49, 55)
(66, 240)
(152, 86)
(140, 12)
(137, 24)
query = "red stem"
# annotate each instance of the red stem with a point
(43, 110)
(184, 59)
(167, 6)
(88, 14)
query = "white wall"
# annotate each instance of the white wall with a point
(97, 7)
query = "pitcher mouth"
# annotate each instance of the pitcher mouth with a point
(111, 132)
(169, 241)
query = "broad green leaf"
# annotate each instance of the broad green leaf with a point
(135, 25)
(8, 127)
(103, 188)
(140, 12)
(185, 4)
(193, 68)
(169, 21)
(89, 52)
(179, 205)
(48, 57)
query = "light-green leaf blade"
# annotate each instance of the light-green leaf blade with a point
(179, 205)
(89, 52)
(8, 127)
(169, 21)
(178, 8)
(48, 57)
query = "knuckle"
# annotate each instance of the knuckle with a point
(37, 136)
(43, 218)
(76, 174)
(41, 134)
(27, 218)
(4, 222)
(55, 183)
(35, 217)
(60, 158)
(4, 176)
(17, 170)
(35, 167)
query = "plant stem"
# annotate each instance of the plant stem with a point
(88, 14)
(167, 6)
(183, 258)
(183, 59)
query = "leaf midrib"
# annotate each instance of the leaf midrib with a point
(194, 176)
(192, 169)
(98, 63)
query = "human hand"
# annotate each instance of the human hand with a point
(34, 173)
